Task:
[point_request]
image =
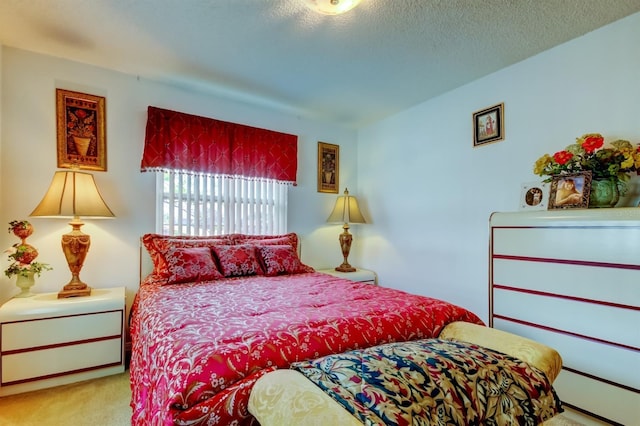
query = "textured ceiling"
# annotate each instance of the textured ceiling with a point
(380, 58)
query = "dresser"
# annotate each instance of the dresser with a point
(46, 341)
(571, 279)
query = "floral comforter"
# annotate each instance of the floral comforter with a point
(434, 382)
(199, 347)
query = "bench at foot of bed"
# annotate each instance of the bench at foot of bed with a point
(287, 397)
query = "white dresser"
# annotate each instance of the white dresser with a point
(571, 279)
(46, 341)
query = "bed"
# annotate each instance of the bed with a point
(470, 374)
(218, 313)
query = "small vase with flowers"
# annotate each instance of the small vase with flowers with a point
(22, 256)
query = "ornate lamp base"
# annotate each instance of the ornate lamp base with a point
(69, 291)
(345, 267)
(345, 244)
(75, 246)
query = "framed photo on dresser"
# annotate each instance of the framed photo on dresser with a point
(570, 191)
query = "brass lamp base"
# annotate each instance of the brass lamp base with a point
(345, 244)
(345, 267)
(71, 291)
(75, 246)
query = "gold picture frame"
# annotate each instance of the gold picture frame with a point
(328, 167)
(81, 133)
(488, 125)
(570, 191)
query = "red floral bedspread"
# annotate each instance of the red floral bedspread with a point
(199, 347)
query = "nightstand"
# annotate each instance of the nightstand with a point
(46, 341)
(360, 275)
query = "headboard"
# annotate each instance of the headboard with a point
(571, 279)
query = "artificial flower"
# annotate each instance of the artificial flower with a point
(589, 153)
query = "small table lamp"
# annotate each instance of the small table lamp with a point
(73, 194)
(346, 211)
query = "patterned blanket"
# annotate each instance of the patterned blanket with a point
(434, 382)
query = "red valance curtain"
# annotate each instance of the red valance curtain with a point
(179, 141)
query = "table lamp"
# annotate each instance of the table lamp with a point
(346, 211)
(73, 194)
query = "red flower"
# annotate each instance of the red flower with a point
(562, 157)
(592, 143)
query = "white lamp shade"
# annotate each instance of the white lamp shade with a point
(331, 7)
(346, 210)
(72, 194)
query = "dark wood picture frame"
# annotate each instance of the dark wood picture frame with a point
(328, 167)
(488, 125)
(81, 130)
(574, 196)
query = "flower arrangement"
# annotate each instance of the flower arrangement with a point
(22, 255)
(613, 162)
(81, 123)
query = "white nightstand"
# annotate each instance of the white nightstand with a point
(360, 275)
(46, 341)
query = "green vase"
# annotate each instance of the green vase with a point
(25, 283)
(604, 193)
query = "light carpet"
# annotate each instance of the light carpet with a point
(97, 402)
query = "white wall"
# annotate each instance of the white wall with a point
(430, 193)
(28, 161)
(427, 193)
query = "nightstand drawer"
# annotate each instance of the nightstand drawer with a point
(55, 361)
(55, 331)
(46, 341)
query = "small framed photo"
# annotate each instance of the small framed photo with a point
(328, 167)
(488, 125)
(81, 131)
(534, 196)
(570, 191)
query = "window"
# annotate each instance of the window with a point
(207, 204)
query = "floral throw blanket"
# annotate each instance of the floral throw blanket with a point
(434, 382)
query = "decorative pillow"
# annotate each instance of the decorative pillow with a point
(238, 260)
(158, 245)
(191, 265)
(290, 239)
(281, 259)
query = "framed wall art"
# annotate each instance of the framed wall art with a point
(570, 191)
(328, 167)
(534, 196)
(81, 130)
(488, 125)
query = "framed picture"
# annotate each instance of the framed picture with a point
(488, 125)
(570, 191)
(328, 167)
(534, 196)
(81, 130)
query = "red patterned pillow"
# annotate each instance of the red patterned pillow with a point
(191, 265)
(238, 260)
(158, 245)
(290, 238)
(281, 259)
